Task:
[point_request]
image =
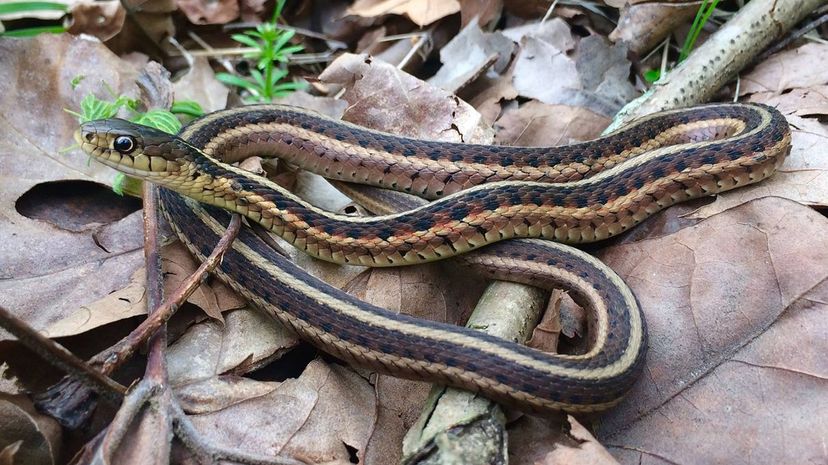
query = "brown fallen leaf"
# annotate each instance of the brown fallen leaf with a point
(421, 12)
(321, 416)
(810, 101)
(216, 12)
(383, 97)
(102, 19)
(555, 32)
(39, 436)
(764, 403)
(48, 269)
(531, 439)
(150, 23)
(247, 339)
(713, 293)
(593, 78)
(469, 54)
(539, 124)
(802, 67)
(483, 11)
(200, 84)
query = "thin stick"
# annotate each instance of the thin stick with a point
(115, 356)
(59, 356)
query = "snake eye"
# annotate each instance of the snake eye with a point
(124, 144)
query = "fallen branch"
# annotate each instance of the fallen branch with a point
(720, 58)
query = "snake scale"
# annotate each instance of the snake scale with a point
(482, 194)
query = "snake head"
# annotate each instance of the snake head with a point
(136, 150)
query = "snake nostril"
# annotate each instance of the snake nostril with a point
(89, 136)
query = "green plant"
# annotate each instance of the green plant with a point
(702, 16)
(93, 108)
(31, 7)
(271, 53)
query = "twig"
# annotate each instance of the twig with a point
(59, 356)
(716, 61)
(150, 413)
(70, 402)
(794, 35)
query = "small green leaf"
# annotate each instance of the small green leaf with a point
(283, 39)
(23, 7)
(123, 184)
(93, 108)
(258, 78)
(652, 75)
(160, 119)
(33, 31)
(75, 82)
(118, 184)
(234, 80)
(285, 88)
(243, 39)
(187, 107)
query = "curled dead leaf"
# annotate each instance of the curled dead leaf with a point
(102, 19)
(421, 12)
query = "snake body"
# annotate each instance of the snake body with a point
(484, 194)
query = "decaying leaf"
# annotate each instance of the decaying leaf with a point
(802, 177)
(47, 269)
(246, 338)
(102, 19)
(26, 436)
(802, 67)
(321, 416)
(421, 12)
(383, 97)
(469, 54)
(200, 85)
(539, 124)
(216, 12)
(715, 295)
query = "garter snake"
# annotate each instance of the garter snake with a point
(572, 194)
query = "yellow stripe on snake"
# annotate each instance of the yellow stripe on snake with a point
(484, 194)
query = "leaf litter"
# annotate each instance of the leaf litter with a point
(733, 289)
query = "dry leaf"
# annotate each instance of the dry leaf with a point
(381, 96)
(469, 54)
(496, 93)
(128, 301)
(421, 12)
(40, 434)
(213, 12)
(319, 416)
(811, 101)
(47, 268)
(802, 67)
(248, 338)
(102, 19)
(537, 441)
(744, 285)
(482, 11)
(538, 124)
(200, 84)
(595, 77)
(554, 32)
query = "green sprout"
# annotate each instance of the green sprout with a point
(25, 7)
(271, 53)
(702, 16)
